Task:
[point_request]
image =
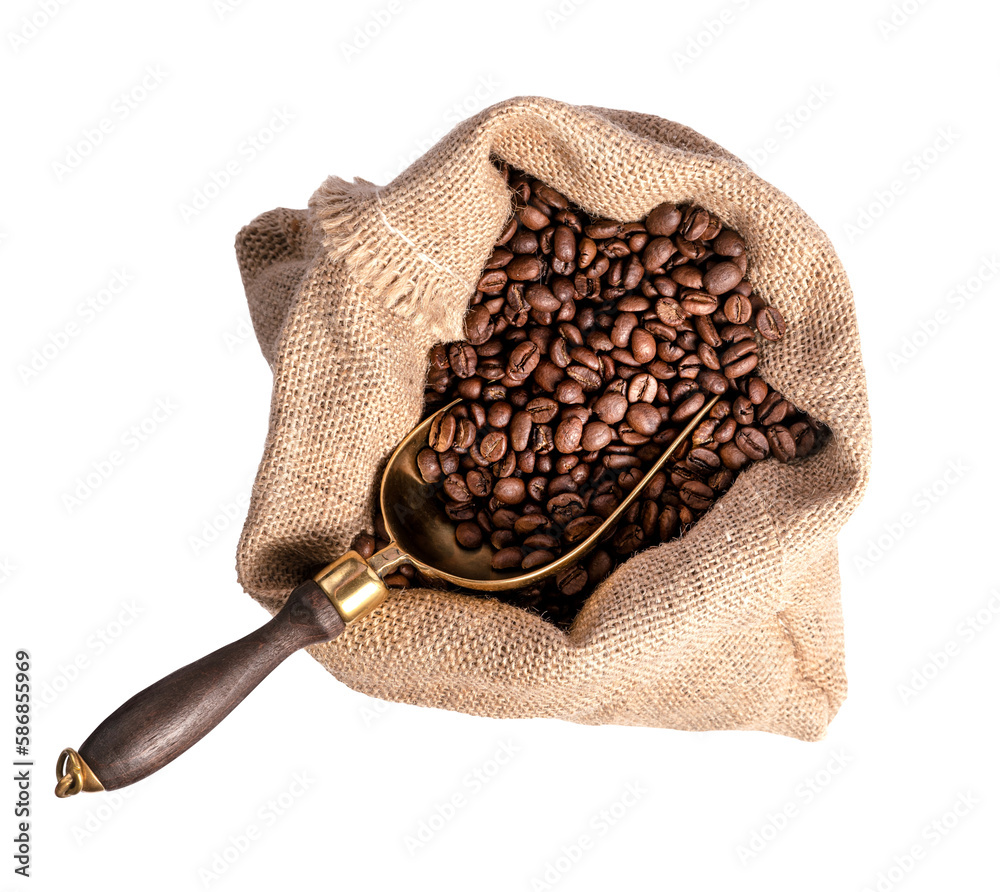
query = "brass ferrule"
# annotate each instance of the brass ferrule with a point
(354, 588)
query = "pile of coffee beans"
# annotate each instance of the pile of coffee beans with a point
(590, 344)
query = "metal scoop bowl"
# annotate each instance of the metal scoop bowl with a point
(162, 721)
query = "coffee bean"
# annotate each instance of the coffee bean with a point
(494, 446)
(468, 534)
(663, 219)
(695, 222)
(770, 324)
(535, 559)
(699, 303)
(579, 528)
(596, 435)
(756, 391)
(524, 359)
(782, 443)
(564, 244)
(564, 507)
(572, 580)
(656, 253)
(442, 433)
(738, 309)
(506, 558)
(509, 490)
(533, 218)
(728, 244)
(643, 345)
(697, 495)
(752, 443)
(568, 435)
(587, 378)
(524, 268)
(643, 418)
(642, 388)
(722, 277)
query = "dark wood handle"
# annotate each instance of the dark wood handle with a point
(161, 722)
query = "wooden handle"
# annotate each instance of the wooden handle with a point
(161, 722)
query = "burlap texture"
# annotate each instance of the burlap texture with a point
(736, 625)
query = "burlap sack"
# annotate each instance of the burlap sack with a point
(736, 625)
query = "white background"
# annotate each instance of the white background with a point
(833, 105)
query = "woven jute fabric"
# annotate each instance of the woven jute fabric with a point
(735, 625)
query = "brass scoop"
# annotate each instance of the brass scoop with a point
(161, 722)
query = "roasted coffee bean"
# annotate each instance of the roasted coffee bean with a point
(596, 435)
(656, 253)
(671, 313)
(542, 410)
(572, 580)
(752, 443)
(722, 277)
(743, 410)
(697, 495)
(564, 507)
(507, 558)
(728, 244)
(643, 345)
(756, 391)
(429, 466)
(782, 443)
(442, 433)
(456, 490)
(611, 407)
(364, 545)
(738, 309)
(642, 388)
(523, 359)
(568, 435)
(643, 418)
(468, 534)
(494, 446)
(699, 303)
(770, 324)
(509, 490)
